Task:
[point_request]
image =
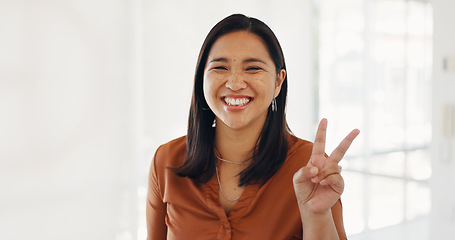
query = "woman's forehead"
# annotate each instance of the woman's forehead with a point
(239, 45)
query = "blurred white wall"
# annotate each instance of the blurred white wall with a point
(443, 147)
(69, 119)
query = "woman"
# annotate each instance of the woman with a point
(239, 173)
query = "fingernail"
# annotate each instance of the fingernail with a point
(313, 170)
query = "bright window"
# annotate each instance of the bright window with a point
(374, 70)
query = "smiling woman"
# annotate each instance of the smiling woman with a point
(246, 176)
(246, 75)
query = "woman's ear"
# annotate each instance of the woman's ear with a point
(279, 81)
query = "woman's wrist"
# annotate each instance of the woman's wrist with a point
(318, 225)
(307, 214)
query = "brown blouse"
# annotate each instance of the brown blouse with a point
(178, 208)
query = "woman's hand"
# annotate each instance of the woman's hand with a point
(319, 184)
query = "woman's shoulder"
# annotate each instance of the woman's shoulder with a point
(298, 145)
(171, 154)
(299, 150)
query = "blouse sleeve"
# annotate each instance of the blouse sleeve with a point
(337, 214)
(155, 209)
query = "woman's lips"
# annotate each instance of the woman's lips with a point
(231, 101)
(236, 103)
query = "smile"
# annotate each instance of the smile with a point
(236, 101)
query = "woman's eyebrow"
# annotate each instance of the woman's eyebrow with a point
(221, 59)
(250, 60)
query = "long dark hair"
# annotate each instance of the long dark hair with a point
(270, 151)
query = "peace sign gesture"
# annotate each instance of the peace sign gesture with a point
(319, 184)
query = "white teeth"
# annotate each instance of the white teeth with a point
(236, 102)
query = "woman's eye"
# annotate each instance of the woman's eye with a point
(220, 68)
(254, 69)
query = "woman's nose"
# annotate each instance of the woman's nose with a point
(236, 82)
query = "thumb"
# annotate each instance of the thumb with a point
(304, 175)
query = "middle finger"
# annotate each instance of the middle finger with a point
(339, 152)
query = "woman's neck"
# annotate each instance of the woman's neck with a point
(236, 145)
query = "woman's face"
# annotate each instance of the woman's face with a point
(240, 80)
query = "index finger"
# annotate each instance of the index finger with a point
(319, 142)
